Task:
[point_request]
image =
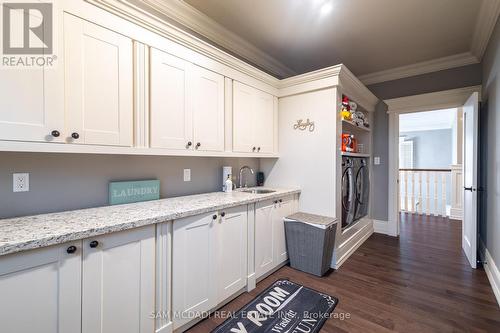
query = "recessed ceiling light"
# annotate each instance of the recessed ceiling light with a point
(326, 8)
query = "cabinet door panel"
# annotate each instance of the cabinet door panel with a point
(208, 109)
(243, 118)
(194, 266)
(264, 239)
(30, 102)
(43, 284)
(282, 210)
(99, 81)
(264, 122)
(232, 252)
(171, 114)
(118, 282)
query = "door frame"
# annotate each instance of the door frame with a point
(445, 99)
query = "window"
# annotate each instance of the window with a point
(405, 153)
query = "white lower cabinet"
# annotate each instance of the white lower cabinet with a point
(209, 261)
(270, 242)
(40, 290)
(118, 282)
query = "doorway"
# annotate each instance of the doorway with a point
(435, 191)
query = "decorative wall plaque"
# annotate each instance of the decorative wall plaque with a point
(301, 125)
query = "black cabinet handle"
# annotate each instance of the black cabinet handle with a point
(93, 244)
(55, 133)
(469, 189)
(75, 135)
(71, 249)
(223, 214)
(214, 217)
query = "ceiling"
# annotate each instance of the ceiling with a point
(372, 37)
(426, 121)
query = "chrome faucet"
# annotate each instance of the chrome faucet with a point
(243, 168)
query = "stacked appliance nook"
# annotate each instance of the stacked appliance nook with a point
(310, 145)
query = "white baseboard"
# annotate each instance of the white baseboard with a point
(382, 227)
(456, 213)
(491, 269)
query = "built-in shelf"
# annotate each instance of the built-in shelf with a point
(353, 125)
(345, 153)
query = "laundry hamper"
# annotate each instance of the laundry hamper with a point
(310, 240)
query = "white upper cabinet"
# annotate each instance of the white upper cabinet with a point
(31, 107)
(187, 105)
(118, 285)
(253, 120)
(171, 120)
(208, 109)
(44, 284)
(99, 84)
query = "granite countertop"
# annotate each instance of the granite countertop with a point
(31, 232)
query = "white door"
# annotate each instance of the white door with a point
(194, 288)
(232, 251)
(264, 122)
(243, 118)
(208, 109)
(99, 84)
(470, 157)
(171, 114)
(264, 238)
(118, 293)
(283, 209)
(31, 104)
(41, 290)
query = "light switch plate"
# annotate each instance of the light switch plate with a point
(187, 175)
(20, 182)
(376, 160)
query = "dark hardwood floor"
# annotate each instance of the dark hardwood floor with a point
(419, 282)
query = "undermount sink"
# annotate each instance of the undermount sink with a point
(258, 191)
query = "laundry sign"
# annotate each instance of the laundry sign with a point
(133, 191)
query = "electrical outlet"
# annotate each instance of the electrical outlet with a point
(187, 175)
(20, 182)
(376, 160)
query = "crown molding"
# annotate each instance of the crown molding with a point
(487, 18)
(419, 68)
(431, 101)
(338, 75)
(189, 17)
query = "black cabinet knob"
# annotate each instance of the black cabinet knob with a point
(280, 200)
(275, 201)
(93, 244)
(189, 144)
(71, 249)
(75, 135)
(253, 149)
(198, 145)
(214, 217)
(55, 133)
(223, 214)
(258, 149)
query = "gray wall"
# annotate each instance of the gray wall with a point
(443, 80)
(60, 182)
(431, 149)
(489, 127)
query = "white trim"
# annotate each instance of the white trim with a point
(418, 103)
(491, 269)
(419, 68)
(380, 227)
(330, 77)
(191, 18)
(353, 243)
(487, 18)
(432, 101)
